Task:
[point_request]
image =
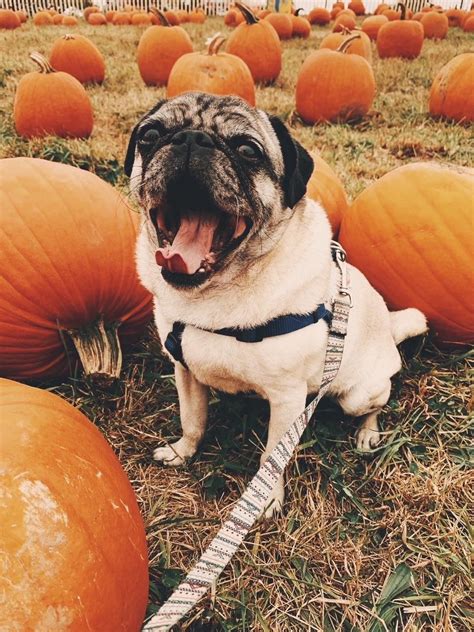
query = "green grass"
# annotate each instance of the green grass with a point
(366, 544)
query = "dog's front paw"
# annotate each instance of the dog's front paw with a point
(173, 455)
(367, 439)
(274, 505)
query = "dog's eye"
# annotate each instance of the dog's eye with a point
(249, 150)
(150, 137)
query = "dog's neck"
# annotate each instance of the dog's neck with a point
(275, 284)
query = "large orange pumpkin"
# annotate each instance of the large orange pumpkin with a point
(159, 48)
(78, 56)
(358, 46)
(67, 271)
(49, 102)
(334, 86)
(257, 43)
(411, 234)
(74, 553)
(213, 72)
(452, 94)
(325, 187)
(400, 38)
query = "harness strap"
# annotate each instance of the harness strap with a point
(255, 498)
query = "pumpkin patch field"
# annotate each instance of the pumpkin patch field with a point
(366, 543)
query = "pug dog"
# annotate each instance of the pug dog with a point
(229, 242)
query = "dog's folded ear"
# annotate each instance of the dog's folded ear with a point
(132, 143)
(298, 163)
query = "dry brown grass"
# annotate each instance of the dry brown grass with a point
(349, 521)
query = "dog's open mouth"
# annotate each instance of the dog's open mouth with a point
(194, 242)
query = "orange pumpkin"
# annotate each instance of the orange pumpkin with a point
(400, 38)
(89, 11)
(197, 17)
(411, 234)
(451, 94)
(78, 56)
(141, 19)
(67, 245)
(57, 18)
(213, 72)
(344, 22)
(357, 6)
(230, 17)
(42, 18)
(9, 19)
(455, 17)
(392, 14)
(319, 16)
(122, 18)
(69, 20)
(381, 8)
(22, 16)
(97, 19)
(165, 43)
(172, 18)
(282, 24)
(109, 15)
(371, 25)
(257, 43)
(49, 102)
(435, 25)
(325, 187)
(468, 25)
(334, 86)
(71, 527)
(358, 46)
(300, 26)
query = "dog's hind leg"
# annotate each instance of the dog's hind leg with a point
(284, 409)
(193, 404)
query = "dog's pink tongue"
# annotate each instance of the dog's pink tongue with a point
(192, 243)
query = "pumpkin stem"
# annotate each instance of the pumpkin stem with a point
(403, 9)
(343, 46)
(44, 65)
(215, 44)
(69, 36)
(160, 15)
(249, 15)
(99, 350)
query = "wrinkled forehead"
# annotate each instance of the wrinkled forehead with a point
(226, 116)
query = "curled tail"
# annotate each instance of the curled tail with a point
(407, 323)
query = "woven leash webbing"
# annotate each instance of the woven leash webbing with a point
(255, 498)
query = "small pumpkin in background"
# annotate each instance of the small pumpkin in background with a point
(78, 56)
(282, 24)
(42, 18)
(452, 95)
(334, 86)
(71, 527)
(68, 284)
(88, 11)
(49, 102)
(455, 17)
(141, 19)
(371, 25)
(357, 6)
(410, 233)
(400, 38)
(109, 16)
(380, 8)
(197, 16)
(319, 16)
(69, 20)
(325, 187)
(162, 42)
(257, 43)
(468, 25)
(9, 19)
(171, 17)
(122, 18)
(57, 19)
(435, 25)
(230, 18)
(97, 19)
(300, 26)
(344, 21)
(358, 46)
(392, 14)
(213, 72)
(22, 16)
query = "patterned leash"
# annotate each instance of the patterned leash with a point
(255, 498)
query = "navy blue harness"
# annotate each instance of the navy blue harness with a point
(277, 327)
